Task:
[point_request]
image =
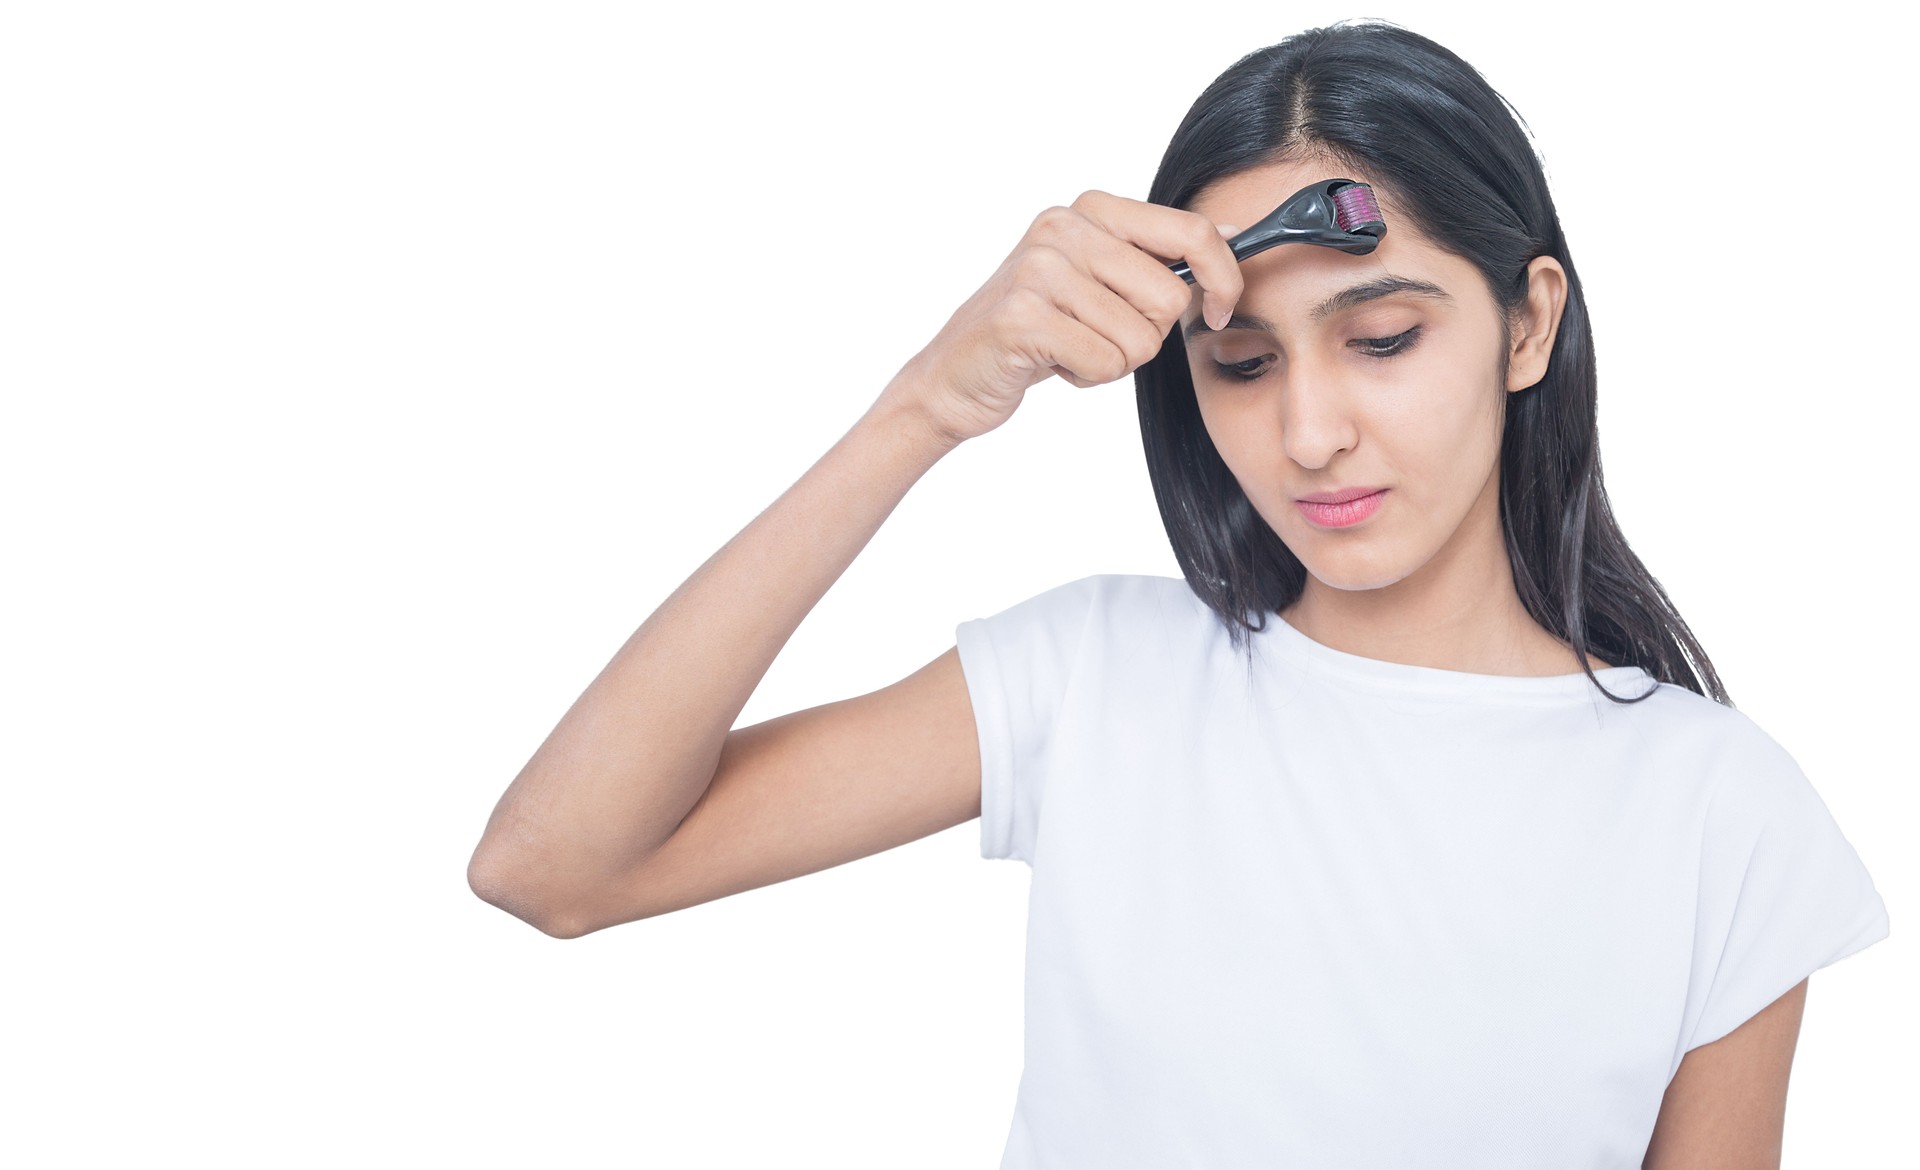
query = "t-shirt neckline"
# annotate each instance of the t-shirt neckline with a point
(1316, 658)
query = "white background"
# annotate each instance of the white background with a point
(372, 370)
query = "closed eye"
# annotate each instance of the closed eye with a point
(1374, 347)
(1386, 347)
(1240, 371)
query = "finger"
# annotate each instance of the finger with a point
(1173, 234)
(1155, 298)
(1103, 303)
(1076, 352)
(1066, 375)
(1112, 287)
(1147, 285)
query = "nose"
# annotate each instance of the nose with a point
(1316, 415)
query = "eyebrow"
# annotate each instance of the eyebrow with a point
(1346, 298)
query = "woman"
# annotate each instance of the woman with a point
(1470, 862)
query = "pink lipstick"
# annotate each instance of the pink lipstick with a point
(1341, 509)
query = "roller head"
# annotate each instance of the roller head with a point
(1354, 207)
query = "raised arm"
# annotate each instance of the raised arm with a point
(638, 749)
(644, 798)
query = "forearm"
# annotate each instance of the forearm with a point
(638, 748)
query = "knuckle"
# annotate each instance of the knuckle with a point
(1088, 198)
(1148, 348)
(1023, 306)
(1051, 220)
(1172, 300)
(1040, 262)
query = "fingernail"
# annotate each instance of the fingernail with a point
(1227, 229)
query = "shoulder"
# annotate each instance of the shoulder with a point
(1749, 755)
(1121, 594)
(1697, 751)
(1105, 617)
(1687, 715)
(1131, 588)
(1130, 607)
(1752, 784)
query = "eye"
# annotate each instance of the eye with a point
(1374, 347)
(1386, 347)
(1240, 371)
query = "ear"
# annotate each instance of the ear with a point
(1537, 324)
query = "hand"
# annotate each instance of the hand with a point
(1086, 294)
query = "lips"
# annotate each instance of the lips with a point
(1342, 515)
(1342, 496)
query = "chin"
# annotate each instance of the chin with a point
(1351, 570)
(1356, 584)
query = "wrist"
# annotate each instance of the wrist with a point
(899, 412)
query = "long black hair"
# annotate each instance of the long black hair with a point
(1426, 128)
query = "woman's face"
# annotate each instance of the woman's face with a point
(1401, 392)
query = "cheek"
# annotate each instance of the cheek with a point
(1448, 411)
(1446, 456)
(1216, 417)
(1241, 433)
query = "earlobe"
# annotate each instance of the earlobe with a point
(1539, 323)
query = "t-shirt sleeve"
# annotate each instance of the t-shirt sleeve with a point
(1782, 892)
(1018, 664)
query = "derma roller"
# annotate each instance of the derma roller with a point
(1334, 213)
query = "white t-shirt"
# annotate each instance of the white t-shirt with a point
(1343, 912)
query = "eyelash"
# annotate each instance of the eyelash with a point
(1385, 347)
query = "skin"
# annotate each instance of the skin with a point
(1425, 580)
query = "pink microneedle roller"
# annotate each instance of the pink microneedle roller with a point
(1334, 213)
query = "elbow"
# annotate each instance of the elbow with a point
(493, 883)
